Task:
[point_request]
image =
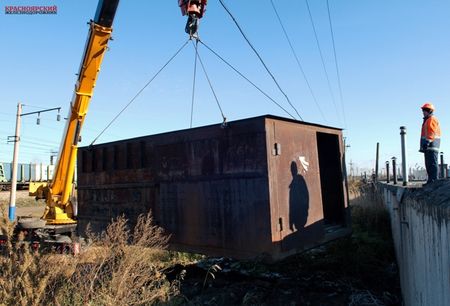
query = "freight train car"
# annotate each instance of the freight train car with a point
(26, 173)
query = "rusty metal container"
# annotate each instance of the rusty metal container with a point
(264, 186)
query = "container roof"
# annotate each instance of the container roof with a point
(267, 116)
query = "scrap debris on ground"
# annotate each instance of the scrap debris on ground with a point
(322, 276)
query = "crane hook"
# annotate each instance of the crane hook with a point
(195, 10)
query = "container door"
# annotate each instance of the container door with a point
(332, 179)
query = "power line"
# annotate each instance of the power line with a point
(260, 59)
(336, 63)
(34, 106)
(297, 59)
(321, 57)
(140, 91)
(32, 147)
(247, 79)
(210, 84)
(37, 144)
(39, 139)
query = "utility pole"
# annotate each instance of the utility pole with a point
(16, 140)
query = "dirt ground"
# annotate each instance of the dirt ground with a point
(25, 205)
(329, 275)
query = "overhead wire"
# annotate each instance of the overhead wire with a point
(321, 57)
(210, 84)
(26, 146)
(247, 79)
(336, 63)
(36, 143)
(31, 144)
(193, 81)
(297, 60)
(140, 91)
(40, 140)
(35, 106)
(260, 59)
(41, 126)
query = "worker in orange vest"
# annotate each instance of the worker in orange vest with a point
(430, 141)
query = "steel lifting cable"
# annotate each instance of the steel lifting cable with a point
(140, 91)
(260, 59)
(337, 66)
(193, 82)
(209, 82)
(297, 59)
(247, 79)
(321, 57)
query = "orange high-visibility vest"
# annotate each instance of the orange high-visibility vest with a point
(431, 133)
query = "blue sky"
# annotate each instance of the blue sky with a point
(392, 55)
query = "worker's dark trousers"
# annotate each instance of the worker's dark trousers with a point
(431, 164)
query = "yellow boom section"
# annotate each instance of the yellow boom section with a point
(59, 209)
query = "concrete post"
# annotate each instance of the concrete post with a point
(12, 198)
(404, 161)
(394, 170)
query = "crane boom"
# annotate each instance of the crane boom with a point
(59, 208)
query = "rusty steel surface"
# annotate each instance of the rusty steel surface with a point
(253, 188)
(307, 192)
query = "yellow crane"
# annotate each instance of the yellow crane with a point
(59, 209)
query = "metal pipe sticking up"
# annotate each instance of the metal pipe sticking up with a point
(404, 162)
(442, 174)
(376, 162)
(387, 172)
(394, 170)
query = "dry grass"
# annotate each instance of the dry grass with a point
(122, 267)
(354, 188)
(368, 257)
(369, 215)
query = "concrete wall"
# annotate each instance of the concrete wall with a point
(420, 219)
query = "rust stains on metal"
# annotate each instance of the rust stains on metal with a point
(264, 185)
